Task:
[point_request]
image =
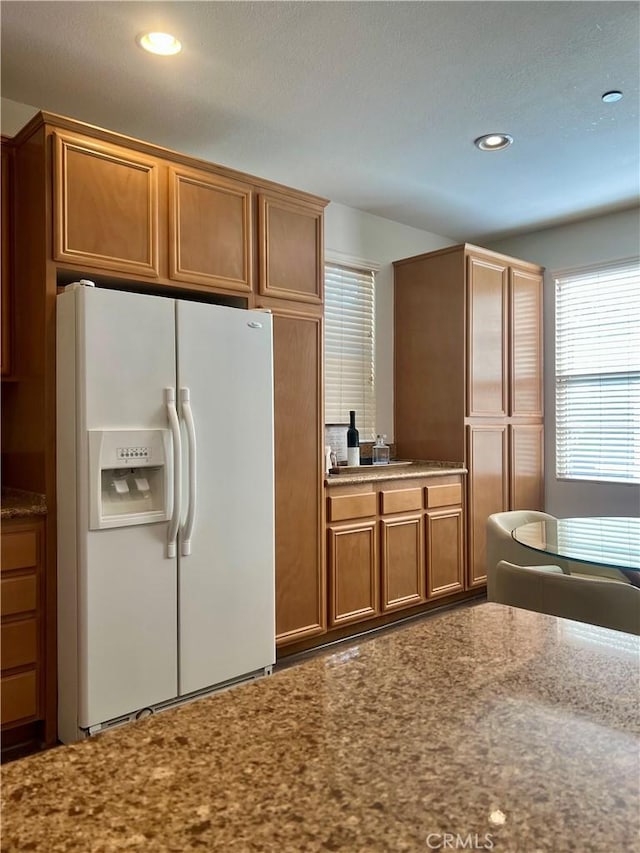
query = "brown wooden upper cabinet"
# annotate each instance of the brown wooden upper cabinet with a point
(504, 354)
(290, 241)
(487, 283)
(210, 235)
(526, 343)
(105, 206)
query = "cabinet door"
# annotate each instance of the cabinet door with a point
(5, 280)
(210, 230)
(106, 206)
(402, 562)
(526, 466)
(300, 575)
(291, 249)
(445, 552)
(353, 573)
(526, 343)
(488, 491)
(21, 567)
(487, 283)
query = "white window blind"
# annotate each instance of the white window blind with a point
(598, 374)
(349, 346)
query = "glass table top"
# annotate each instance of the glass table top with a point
(605, 541)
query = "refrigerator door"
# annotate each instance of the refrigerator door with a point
(226, 595)
(127, 587)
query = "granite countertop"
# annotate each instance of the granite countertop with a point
(372, 473)
(515, 728)
(19, 504)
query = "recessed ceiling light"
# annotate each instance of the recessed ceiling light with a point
(612, 97)
(493, 141)
(163, 44)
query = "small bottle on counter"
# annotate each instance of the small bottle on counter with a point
(353, 442)
(380, 451)
(328, 465)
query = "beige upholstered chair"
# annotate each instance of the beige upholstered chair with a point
(596, 601)
(502, 546)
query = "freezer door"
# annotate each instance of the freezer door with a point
(226, 596)
(127, 588)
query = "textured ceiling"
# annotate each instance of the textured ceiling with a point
(371, 104)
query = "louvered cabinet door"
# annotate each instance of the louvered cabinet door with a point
(526, 343)
(526, 466)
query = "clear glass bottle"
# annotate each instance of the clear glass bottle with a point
(380, 451)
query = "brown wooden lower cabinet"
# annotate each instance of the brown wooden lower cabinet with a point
(393, 546)
(445, 552)
(526, 466)
(402, 562)
(506, 472)
(21, 598)
(354, 589)
(488, 490)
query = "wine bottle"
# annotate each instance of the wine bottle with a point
(353, 442)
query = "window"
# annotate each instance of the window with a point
(598, 374)
(349, 347)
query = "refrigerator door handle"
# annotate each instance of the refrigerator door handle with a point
(174, 424)
(187, 530)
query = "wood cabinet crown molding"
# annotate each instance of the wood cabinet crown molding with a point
(53, 121)
(477, 251)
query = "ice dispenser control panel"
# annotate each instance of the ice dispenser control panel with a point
(130, 477)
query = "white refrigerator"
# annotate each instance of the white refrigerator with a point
(165, 503)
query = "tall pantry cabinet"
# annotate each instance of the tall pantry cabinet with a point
(468, 378)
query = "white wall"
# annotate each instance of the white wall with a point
(357, 235)
(605, 238)
(14, 116)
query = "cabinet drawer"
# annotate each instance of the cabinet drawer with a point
(351, 506)
(443, 495)
(19, 549)
(19, 645)
(403, 500)
(19, 697)
(17, 595)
